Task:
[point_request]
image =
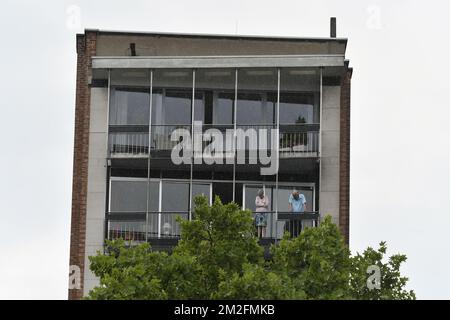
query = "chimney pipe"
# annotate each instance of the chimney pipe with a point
(333, 27)
(133, 49)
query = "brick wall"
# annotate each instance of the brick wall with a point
(86, 48)
(344, 157)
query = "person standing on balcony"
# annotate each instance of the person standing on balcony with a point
(262, 206)
(297, 205)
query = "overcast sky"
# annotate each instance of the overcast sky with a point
(400, 149)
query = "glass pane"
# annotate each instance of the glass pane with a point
(257, 96)
(296, 109)
(128, 196)
(175, 196)
(199, 107)
(255, 108)
(299, 96)
(223, 106)
(201, 189)
(153, 196)
(171, 106)
(130, 97)
(172, 97)
(217, 87)
(224, 190)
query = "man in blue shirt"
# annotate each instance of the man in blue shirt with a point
(297, 205)
(297, 202)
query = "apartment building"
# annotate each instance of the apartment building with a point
(140, 96)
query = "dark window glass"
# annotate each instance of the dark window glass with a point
(217, 87)
(128, 196)
(224, 190)
(296, 108)
(130, 97)
(255, 108)
(172, 96)
(200, 189)
(153, 196)
(299, 96)
(129, 106)
(199, 107)
(171, 107)
(256, 96)
(223, 106)
(175, 196)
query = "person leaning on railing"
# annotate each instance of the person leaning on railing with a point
(262, 206)
(297, 205)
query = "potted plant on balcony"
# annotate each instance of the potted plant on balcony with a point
(294, 141)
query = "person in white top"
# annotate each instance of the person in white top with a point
(262, 206)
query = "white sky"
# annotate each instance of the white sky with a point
(400, 178)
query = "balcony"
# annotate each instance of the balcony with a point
(162, 228)
(295, 141)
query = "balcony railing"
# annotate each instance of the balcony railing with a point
(141, 227)
(128, 144)
(294, 140)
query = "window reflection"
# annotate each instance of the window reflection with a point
(130, 97)
(172, 96)
(299, 96)
(128, 196)
(257, 96)
(216, 87)
(175, 196)
(256, 108)
(296, 108)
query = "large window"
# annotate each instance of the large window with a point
(175, 196)
(171, 106)
(128, 196)
(172, 97)
(297, 109)
(299, 96)
(130, 97)
(216, 86)
(257, 96)
(214, 96)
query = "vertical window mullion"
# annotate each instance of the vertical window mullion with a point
(234, 131)
(193, 144)
(148, 158)
(277, 139)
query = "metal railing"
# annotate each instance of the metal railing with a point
(128, 144)
(278, 224)
(161, 136)
(141, 226)
(299, 144)
(294, 140)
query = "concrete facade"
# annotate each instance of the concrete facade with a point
(96, 190)
(329, 156)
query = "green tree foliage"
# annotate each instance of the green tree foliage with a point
(317, 261)
(219, 257)
(392, 284)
